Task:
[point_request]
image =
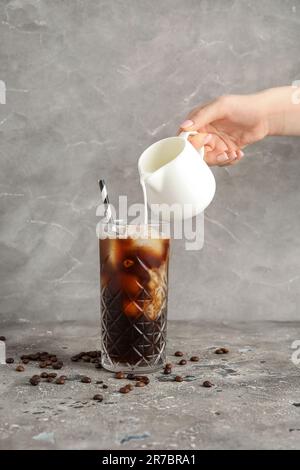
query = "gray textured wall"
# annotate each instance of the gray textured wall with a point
(90, 84)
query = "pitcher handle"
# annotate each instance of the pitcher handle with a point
(186, 135)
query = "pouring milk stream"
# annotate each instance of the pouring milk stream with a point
(172, 172)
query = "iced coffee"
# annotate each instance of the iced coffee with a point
(134, 294)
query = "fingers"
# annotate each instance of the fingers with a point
(204, 115)
(228, 159)
(199, 140)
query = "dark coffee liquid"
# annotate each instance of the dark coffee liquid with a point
(134, 274)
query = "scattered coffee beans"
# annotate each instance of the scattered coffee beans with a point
(140, 384)
(120, 375)
(130, 376)
(222, 351)
(194, 359)
(35, 380)
(86, 380)
(182, 362)
(167, 371)
(178, 378)
(178, 354)
(124, 390)
(42, 365)
(52, 375)
(20, 368)
(145, 379)
(10, 360)
(98, 397)
(44, 375)
(104, 386)
(60, 380)
(130, 386)
(25, 361)
(75, 358)
(92, 354)
(207, 384)
(99, 382)
(168, 366)
(57, 365)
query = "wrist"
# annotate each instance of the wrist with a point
(272, 110)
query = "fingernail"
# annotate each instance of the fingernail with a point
(187, 123)
(207, 138)
(241, 154)
(223, 157)
(233, 155)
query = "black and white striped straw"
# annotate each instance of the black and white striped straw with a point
(105, 200)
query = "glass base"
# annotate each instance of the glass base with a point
(135, 369)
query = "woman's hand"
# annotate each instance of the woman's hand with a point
(229, 124)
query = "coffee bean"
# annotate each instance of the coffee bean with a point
(2, 338)
(99, 382)
(86, 359)
(53, 359)
(50, 379)
(60, 380)
(178, 378)
(140, 384)
(20, 368)
(98, 365)
(168, 366)
(182, 362)
(124, 390)
(75, 358)
(130, 386)
(194, 359)
(42, 365)
(98, 397)
(92, 354)
(48, 363)
(35, 380)
(24, 356)
(25, 361)
(178, 353)
(34, 357)
(145, 379)
(142, 378)
(44, 375)
(63, 377)
(86, 380)
(167, 371)
(120, 375)
(10, 360)
(130, 376)
(222, 351)
(104, 386)
(57, 365)
(207, 384)
(44, 359)
(52, 375)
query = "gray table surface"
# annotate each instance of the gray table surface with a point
(252, 405)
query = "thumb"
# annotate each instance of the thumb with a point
(203, 116)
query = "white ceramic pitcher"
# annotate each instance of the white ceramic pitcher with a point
(174, 172)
